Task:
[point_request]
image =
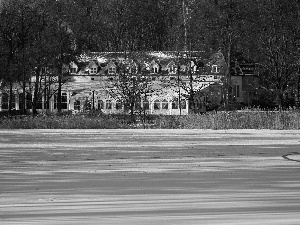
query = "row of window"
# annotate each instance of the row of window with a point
(102, 104)
(118, 105)
(39, 103)
(154, 69)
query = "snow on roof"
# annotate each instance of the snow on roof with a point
(162, 55)
(101, 59)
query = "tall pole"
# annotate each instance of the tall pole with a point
(93, 99)
(298, 87)
(191, 99)
(178, 81)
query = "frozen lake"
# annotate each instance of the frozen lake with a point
(234, 177)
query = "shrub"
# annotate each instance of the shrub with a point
(243, 119)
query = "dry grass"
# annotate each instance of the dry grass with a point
(247, 119)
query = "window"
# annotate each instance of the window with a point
(215, 69)
(64, 101)
(29, 101)
(100, 104)
(156, 104)
(172, 69)
(183, 68)
(175, 103)
(111, 70)
(13, 101)
(108, 104)
(133, 69)
(183, 103)
(46, 101)
(44, 70)
(146, 105)
(55, 101)
(93, 70)
(21, 103)
(154, 69)
(118, 105)
(77, 105)
(236, 91)
(201, 105)
(137, 105)
(73, 70)
(4, 101)
(164, 104)
(39, 102)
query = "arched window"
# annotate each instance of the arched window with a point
(112, 70)
(165, 104)
(175, 103)
(108, 104)
(77, 105)
(64, 101)
(118, 105)
(137, 105)
(4, 101)
(29, 101)
(215, 69)
(155, 69)
(39, 102)
(13, 101)
(146, 104)
(183, 103)
(156, 104)
(100, 104)
(21, 103)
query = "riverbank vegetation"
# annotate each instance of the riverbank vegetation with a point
(244, 119)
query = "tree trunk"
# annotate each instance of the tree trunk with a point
(228, 93)
(59, 93)
(279, 97)
(11, 95)
(24, 98)
(36, 91)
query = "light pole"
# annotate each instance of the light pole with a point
(298, 85)
(93, 99)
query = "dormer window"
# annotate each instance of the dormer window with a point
(73, 70)
(154, 69)
(93, 70)
(44, 70)
(215, 69)
(111, 70)
(183, 68)
(172, 69)
(134, 69)
(131, 70)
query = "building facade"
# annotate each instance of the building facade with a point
(155, 82)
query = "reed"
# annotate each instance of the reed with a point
(244, 119)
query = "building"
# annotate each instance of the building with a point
(162, 81)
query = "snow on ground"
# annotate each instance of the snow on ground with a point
(236, 177)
